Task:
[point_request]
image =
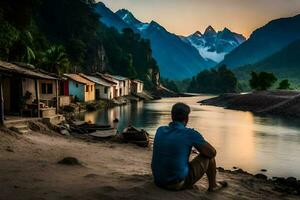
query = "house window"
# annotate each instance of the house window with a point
(91, 88)
(105, 90)
(77, 85)
(44, 88)
(87, 88)
(47, 88)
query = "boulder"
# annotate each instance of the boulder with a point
(261, 176)
(69, 161)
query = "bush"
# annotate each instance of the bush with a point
(284, 85)
(262, 81)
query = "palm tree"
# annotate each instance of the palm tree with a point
(55, 60)
(29, 54)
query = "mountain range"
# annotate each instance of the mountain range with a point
(178, 57)
(215, 45)
(270, 47)
(285, 64)
(265, 41)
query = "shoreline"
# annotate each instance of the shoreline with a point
(276, 103)
(106, 170)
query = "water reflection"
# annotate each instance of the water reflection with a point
(242, 139)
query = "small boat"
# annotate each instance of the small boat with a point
(95, 127)
(86, 128)
(102, 135)
(136, 136)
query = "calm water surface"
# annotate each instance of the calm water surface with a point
(241, 138)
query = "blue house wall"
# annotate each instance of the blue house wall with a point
(77, 90)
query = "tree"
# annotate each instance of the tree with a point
(170, 84)
(284, 85)
(262, 81)
(215, 81)
(55, 60)
(9, 35)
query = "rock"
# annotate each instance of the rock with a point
(263, 170)
(279, 180)
(9, 149)
(261, 176)
(91, 176)
(291, 182)
(221, 169)
(234, 167)
(34, 126)
(281, 188)
(69, 161)
(240, 171)
(64, 132)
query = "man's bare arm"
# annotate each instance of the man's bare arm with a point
(207, 150)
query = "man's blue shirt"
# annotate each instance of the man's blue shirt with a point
(171, 150)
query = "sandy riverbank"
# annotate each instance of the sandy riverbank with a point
(281, 103)
(29, 170)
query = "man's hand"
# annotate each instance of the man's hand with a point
(207, 150)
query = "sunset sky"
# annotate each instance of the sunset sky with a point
(184, 17)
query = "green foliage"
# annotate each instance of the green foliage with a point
(129, 55)
(9, 35)
(262, 81)
(183, 85)
(214, 81)
(284, 64)
(57, 34)
(18, 13)
(170, 84)
(284, 85)
(55, 60)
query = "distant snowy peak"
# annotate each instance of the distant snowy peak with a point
(214, 45)
(128, 17)
(209, 32)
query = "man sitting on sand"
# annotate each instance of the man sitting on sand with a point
(171, 151)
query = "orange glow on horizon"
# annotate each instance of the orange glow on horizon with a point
(184, 17)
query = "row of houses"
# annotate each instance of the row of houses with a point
(26, 91)
(87, 88)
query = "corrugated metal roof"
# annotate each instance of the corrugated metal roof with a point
(79, 79)
(26, 71)
(107, 78)
(96, 80)
(117, 77)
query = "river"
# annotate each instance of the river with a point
(242, 139)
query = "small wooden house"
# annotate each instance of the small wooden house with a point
(123, 84)
(103, 89)
(80, 88)
(115, 84)
(26, 91)
(137, 86)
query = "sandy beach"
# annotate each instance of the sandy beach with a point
(107, 170)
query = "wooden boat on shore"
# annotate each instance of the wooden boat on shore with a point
(95, 127)
(86, 128)
(136, 136)
(104, 134)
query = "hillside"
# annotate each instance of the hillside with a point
(285, 64)
(45, 31)
(175, 58)
(265, 41)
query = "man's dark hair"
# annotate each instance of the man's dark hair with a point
(180, 112)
